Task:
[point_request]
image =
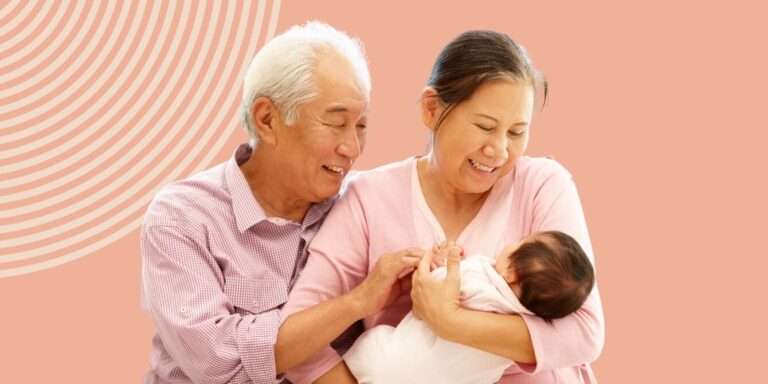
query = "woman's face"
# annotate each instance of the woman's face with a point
(480, 140)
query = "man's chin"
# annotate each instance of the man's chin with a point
(326, 193)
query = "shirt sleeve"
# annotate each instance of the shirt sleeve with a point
(184, 293)
(338, 261)
(577, 338)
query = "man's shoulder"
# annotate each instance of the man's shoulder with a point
(187, 197)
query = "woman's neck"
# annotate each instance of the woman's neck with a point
(435, 187)
(453, 208)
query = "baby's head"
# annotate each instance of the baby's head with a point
(549, 272)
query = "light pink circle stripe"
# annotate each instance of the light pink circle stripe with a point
(102, 103)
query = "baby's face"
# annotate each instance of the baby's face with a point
(503, 260)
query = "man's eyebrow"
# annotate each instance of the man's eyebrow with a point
(336, 109)
(497, 120)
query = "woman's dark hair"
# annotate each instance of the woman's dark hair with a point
(474, 58)
(554, 273)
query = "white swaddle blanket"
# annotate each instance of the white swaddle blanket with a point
(413, 353)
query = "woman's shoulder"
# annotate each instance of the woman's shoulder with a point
(388, 177)
(380, 192)
(535, 171)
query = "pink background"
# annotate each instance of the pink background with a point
(657, 109)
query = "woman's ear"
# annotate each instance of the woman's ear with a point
(430, 108)
(266, 120)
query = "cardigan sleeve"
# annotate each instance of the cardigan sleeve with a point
(577, 338)
(338, 261)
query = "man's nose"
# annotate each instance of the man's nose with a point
(350, 144)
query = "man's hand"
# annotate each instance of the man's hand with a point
(386, 282)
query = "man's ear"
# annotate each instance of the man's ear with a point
(430, 108)
(266, 120)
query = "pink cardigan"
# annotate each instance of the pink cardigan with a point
(383, 210)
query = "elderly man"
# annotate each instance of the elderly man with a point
(222, 249)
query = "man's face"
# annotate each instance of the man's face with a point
(318, 150)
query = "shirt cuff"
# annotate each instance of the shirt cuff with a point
(257, 345)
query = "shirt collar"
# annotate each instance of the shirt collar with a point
(246, 209)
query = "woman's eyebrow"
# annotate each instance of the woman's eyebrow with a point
(487, 116)
(497, 120)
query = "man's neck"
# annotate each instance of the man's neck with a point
(267, 188)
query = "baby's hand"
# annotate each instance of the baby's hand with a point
(440, 253)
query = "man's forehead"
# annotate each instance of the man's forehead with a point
(335, 108)
(349, 107)
(340, 91)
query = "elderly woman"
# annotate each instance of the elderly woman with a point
(474, 187)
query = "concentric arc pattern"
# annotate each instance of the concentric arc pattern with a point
(104, 102)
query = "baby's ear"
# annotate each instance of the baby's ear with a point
(510, 275)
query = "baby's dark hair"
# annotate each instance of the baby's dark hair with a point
(554, 273)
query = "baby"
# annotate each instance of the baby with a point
(546, 274)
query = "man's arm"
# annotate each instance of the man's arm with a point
(194, 317)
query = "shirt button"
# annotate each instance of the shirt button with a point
(184, 311)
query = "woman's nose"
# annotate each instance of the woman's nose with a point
(497, 149)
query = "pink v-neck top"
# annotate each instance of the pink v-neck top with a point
(384, 210)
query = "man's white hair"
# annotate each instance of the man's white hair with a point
(283, 70)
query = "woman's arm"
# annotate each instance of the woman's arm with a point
(437, 303)
(301, 335)
(579, 337)
(572, 340)
(335, 289)
(503, 335)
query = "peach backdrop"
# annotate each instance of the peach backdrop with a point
(657, 109)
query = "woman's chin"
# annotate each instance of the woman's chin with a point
(475, 187)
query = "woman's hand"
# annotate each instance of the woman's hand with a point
(436, 301)
(440, 253)
(386, 282)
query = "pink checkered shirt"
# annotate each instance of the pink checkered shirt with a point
(216, 272)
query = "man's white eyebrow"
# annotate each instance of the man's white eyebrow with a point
(497, 120)
(336, 109)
